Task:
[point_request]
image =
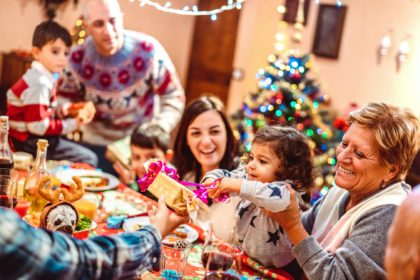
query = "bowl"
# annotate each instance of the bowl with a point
(83, 234)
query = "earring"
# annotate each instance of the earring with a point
(384, 46)
(403, 52)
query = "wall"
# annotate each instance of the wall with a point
(355, 76)
(18, 18)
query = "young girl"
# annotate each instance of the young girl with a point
(279, 156)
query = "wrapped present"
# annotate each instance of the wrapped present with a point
(162, 180)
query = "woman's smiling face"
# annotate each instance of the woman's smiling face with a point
(359, 169)
(206, 137)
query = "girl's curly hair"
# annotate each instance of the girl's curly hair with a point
(293, 150)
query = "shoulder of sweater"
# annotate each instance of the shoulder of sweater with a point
(34, 78)
(379, 215)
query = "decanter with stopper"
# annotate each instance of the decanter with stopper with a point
(36, 202)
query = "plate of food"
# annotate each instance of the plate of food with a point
(183, 232)
(134, 224)
(93, 180)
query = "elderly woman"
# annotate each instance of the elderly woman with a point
(402, 258)
(344, 235)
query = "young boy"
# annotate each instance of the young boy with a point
(148, 141)
(32, 106)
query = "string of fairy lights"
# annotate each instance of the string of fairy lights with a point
(192, 10)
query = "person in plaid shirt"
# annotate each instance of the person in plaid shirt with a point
(29, 253)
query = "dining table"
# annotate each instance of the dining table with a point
(126, 201)
(120, 200)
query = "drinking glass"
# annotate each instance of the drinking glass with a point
(8, 188)
(218, 258)
(174, 259)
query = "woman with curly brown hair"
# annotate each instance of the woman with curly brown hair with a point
(279, 156)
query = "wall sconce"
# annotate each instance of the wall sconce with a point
(384, 46)
(403, 52)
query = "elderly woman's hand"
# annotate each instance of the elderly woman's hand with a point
(289, 219)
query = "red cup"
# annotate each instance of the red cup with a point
(22, 207)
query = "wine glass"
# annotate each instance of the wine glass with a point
(218, 257)
(8, 188)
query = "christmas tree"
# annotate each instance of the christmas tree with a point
(78, 33)
(288, 96)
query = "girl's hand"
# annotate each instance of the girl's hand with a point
(225, 185)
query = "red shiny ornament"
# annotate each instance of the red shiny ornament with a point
(307, 122)
(341, 124)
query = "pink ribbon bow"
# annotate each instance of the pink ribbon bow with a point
(200, 192)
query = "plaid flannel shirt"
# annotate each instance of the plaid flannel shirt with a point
(29, 253)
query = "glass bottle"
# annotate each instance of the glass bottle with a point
(6, 156)
(36, 202)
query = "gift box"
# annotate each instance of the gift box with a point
(161, 180)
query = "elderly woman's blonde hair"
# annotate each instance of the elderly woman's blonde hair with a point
(396, 132)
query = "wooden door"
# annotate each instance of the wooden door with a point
(14, 65)
(212, 52)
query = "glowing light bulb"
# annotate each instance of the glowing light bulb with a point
(281, 9)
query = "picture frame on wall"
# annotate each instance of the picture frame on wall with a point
(292, 7)
(329, 30)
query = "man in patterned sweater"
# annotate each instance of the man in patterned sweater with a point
(127, 75)
(32, 105)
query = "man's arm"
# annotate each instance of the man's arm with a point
(39, 254)
(168, 88)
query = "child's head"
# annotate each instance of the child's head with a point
(51, 43)
(280, 153)
(148, 141)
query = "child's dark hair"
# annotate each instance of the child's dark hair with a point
(150, 135)
(49, 31)
(293, 150)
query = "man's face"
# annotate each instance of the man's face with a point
(104, 23)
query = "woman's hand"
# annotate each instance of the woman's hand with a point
(290, 219)
(163, 220)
